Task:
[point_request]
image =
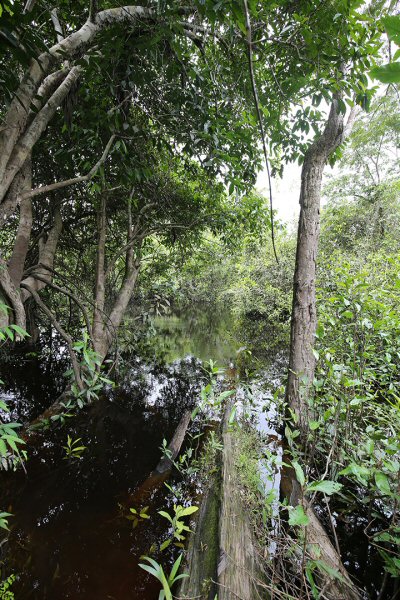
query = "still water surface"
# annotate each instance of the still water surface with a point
(70, 538)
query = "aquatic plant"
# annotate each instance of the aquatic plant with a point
(167, 582)
(73, 449)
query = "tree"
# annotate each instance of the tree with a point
(363, 197)
(184, 71)
(304, 316)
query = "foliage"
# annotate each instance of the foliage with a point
(390, 72)
(363, 197)
(10, 454)
(4, 519)
(73, 449)
(155, 569)
(139, 515)
(356, 388)
(5, 591)
(90, 366)
(246, 284)
(177, 524)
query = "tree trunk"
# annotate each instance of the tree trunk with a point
(99, 329)
(304, 314)
(303, 329)
(43, 88)
(46, 259)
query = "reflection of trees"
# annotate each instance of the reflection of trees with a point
(180, 389)
(34, 380)
(202, 332)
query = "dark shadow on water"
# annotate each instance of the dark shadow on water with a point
(69, 537)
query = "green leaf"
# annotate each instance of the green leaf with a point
(298, 517)
(361, 473)
(175, 568)
(225, 394)
(20, 331)
(326, 486)
(232, 416)
(382, 483)
(148, 569)
(299, 473)
(389, 73)
(3, 448)
(165, 514)
(334, 573)
(188, 511)
(392, 28)
(165, 545)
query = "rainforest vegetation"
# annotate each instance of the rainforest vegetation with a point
(199, 399)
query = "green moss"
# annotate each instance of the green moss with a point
(209, 535)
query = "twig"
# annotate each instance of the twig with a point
(71, 296)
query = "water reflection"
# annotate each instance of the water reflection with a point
(201, 333)
(68, 538)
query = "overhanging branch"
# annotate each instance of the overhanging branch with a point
(43, 189)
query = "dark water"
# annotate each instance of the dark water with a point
(32, 380)
(70, 537)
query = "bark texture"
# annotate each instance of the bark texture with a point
(304, 313)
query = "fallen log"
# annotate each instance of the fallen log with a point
(203, 550)
(175, 444)
(160, 474)
(239, 571)
(55, 409)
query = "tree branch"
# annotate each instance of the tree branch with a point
(65, 336)
(57, 25)
(260, 121)
(70, 295)
(43, 189)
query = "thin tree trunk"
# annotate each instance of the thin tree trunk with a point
(99, 330)
(46, 259)
(11, 298)
(304, 314)
(124, 296)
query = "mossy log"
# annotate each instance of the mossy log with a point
(203, 549)
(239, 570)
(222, 558)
